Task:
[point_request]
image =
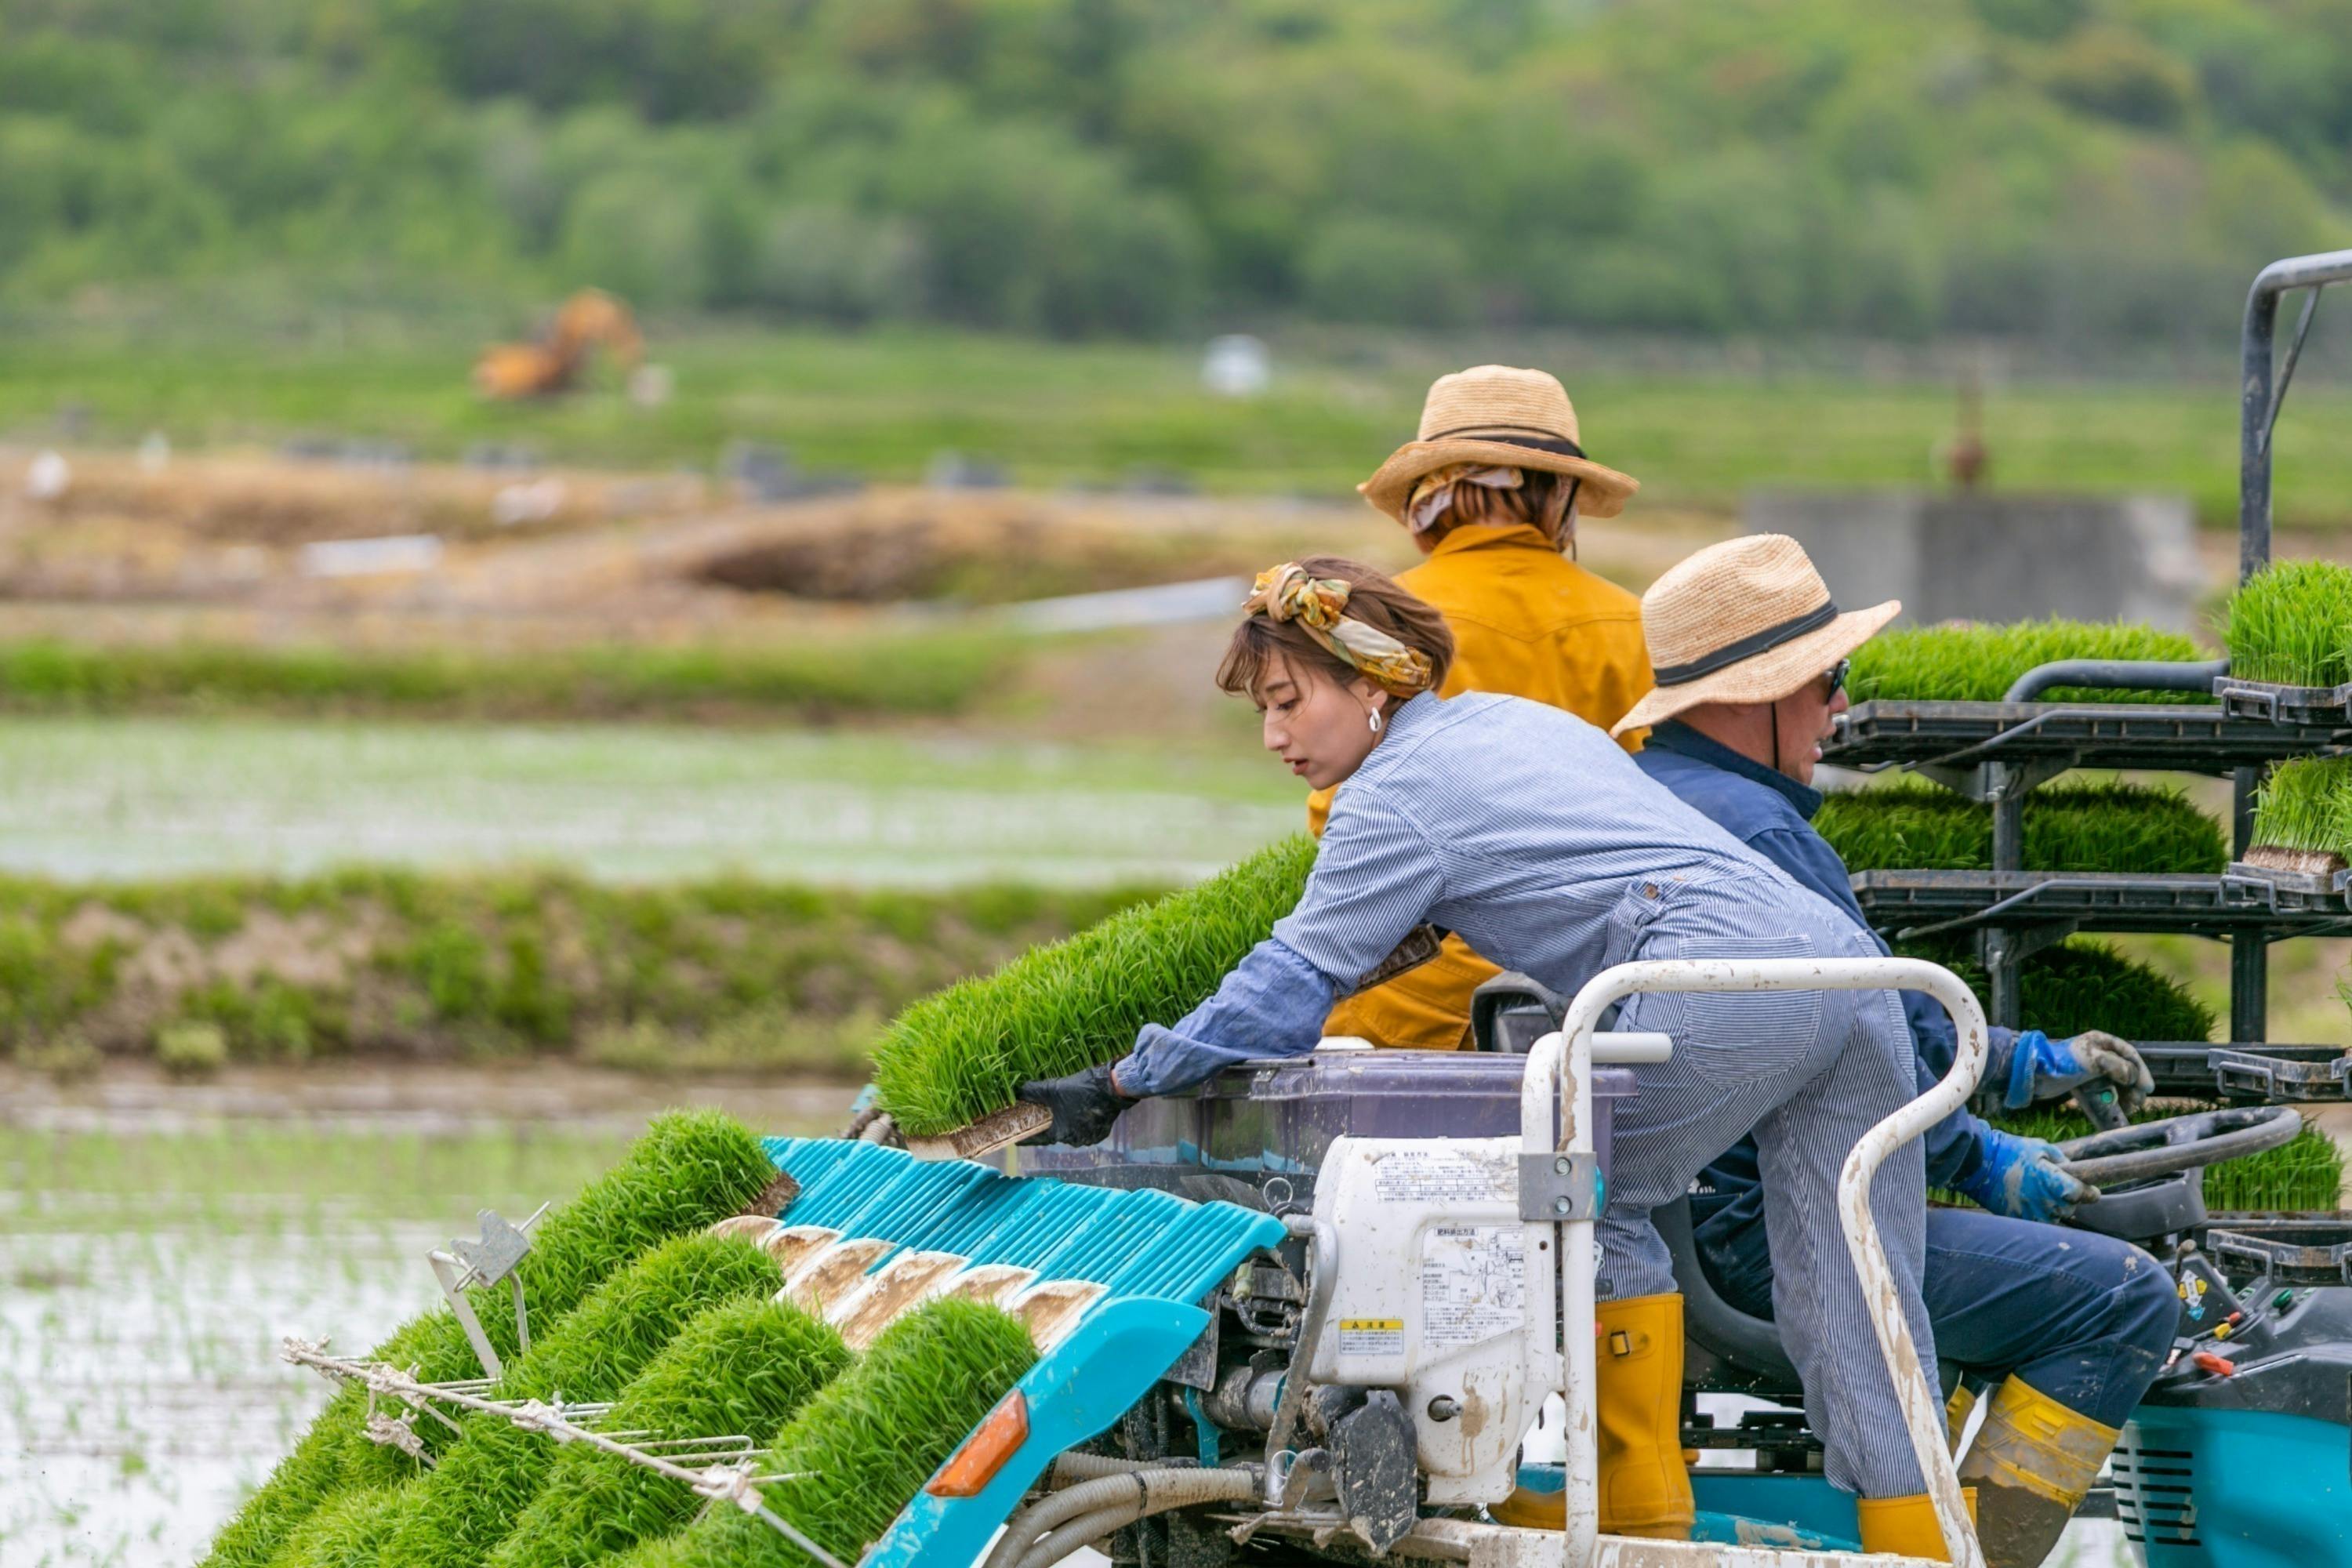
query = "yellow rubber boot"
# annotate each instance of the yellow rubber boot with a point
(1645, 1488)
(1906, 1525)
(2033, 1463)
(1957, 1411)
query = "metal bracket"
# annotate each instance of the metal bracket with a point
(1556, 1189)
(1197, 1367)
(1992, 783)
(487, 1261)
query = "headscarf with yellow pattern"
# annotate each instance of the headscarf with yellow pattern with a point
(1286, 593)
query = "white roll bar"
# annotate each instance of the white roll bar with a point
(1559, 1081)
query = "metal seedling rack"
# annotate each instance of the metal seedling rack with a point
(1998, 753)
(2192, 1069)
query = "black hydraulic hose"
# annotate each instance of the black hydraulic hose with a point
(2118, 675)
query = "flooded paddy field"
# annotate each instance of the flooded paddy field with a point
(156, 1243)
(124, 798)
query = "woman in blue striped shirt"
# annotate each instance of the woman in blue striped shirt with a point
(1536, 837)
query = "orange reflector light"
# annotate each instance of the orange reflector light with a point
(984, 1452)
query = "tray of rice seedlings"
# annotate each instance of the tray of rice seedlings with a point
(950, 1066)
(2306, 1175)
(689, 1169)
(2098, 828)
(856, 1454)
(2289, 633)
(741, 1369)
(1981, 663)
(2082, 985)
(349, 1532)
(2302, 852)
(485, 1479)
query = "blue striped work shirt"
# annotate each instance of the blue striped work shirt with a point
(1518, 825)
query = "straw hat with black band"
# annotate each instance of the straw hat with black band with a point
(1495, 415)
(1749, 620)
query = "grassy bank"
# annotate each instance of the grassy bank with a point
(920, 673)
(706, 976)
(884, 404)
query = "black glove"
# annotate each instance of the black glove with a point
(1084, 1106)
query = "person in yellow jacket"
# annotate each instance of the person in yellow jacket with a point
(1490, 488)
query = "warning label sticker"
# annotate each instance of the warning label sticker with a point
(1371, 1336)
(1443, 1175)
(1473, 1284)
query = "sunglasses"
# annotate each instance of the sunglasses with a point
(1835, 674)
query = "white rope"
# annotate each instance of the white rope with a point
(734, 1480)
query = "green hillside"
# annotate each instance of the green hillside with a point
(2109, 169)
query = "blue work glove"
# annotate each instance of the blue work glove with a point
(1083, 1104)
(2023, 1179)
(2043, 1068)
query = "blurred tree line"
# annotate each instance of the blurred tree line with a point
(2095, 169)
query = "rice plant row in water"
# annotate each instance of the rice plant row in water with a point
(743, 1368)
(690, 1169)
(2291, 622)
(2082, 985)
(1980, 664)
(486, 1479)
(858, 1451)
(2306, 806)
(2305, 1176)
(2080, 827)
(959, 1055)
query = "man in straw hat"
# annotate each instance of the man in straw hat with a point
(1490, 488)
(1750, 654)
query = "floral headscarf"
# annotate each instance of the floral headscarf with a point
(1434, 490)
(1433, 498)
(1286, 593)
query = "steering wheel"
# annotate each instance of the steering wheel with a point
(2150, 1177)
(2178, 1143)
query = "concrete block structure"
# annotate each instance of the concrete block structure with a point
(1997, 557)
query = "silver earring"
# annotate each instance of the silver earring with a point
(1373, 720)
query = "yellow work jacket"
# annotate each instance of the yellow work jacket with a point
(1528, 622)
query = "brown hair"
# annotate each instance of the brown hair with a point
(1373, 597)
(1541, 501)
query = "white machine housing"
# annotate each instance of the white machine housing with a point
(1431, 1299)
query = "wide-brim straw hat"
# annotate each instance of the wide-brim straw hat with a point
(1510, 418)
(1749, 620)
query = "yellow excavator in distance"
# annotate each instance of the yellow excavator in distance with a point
(588, 320)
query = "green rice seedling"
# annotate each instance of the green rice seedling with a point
(2301, 1176)
(2082, 985)
(351, 1530)
(743, 1368)
(690, 1169)
(2306, 804)
(486, 1477)
(2078, 827)
(858, 1451)
(1980, 664)
(956, 1056)
(2291, 622)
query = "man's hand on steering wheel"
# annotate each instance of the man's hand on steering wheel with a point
(2043, 1068)
(2023, 1178)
